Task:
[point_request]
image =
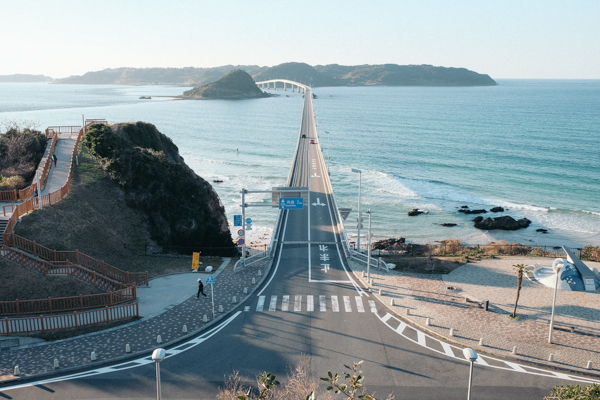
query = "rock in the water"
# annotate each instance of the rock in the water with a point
(542, 230)
(478, 219)
(497, 209)
(506, 223)
(385, 243)
(465, 207)
(414, 212)
(447, 224)
(467, 211)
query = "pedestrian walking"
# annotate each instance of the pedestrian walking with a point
(200, 289)
(55, 159)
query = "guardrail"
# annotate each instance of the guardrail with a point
(375, 262)
(62, 304)
(75, 320)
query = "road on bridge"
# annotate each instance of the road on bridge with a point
(309, 305)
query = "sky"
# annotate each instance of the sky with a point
(524, 39)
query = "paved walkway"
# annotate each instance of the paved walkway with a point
(109, 345)
(427, 296)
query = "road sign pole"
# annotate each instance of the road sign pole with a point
(243, 222)
(212, 295)
(369, 251)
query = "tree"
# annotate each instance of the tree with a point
(519, 271)
(572, 392)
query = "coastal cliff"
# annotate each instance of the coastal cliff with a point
(237, 84)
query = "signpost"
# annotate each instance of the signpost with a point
(291, 203)
(195, 261)
(237, 220)
(211, 281)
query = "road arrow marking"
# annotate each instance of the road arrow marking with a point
(318, 203)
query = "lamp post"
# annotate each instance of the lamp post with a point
(369, 250)
(157, 356)
(328, 173)
(359, 219)
(556, 268)
(471, 356)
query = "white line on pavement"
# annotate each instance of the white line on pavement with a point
(297, 303)
(273, 303)
(359, 304)
(310, 303)
(261, 303)
(372, 306)
(347, 304)
(334, 304)
(285, 303)
(322, 303)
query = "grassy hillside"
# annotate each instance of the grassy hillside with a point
(237, 84)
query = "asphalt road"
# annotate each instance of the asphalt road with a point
(309, 306)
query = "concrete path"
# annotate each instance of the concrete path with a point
(427, 296)
(57, 176)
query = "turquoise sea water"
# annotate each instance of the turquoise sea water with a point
(529, 146)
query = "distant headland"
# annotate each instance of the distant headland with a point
(237, 84)
(319, 75)
(24, 78)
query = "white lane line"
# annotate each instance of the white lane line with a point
(279, 257)
(481, 361)
(401, 327)
(298, 303)
(386, 317)
(421, 339)
(310, 303)
(359, 304)
(261, 303)
(447, 349)
(247, 308)
(322, 303)
(514, 366)
(335, 306)
(273, 303)
(347, 304)
(372, 306)
(285, 303)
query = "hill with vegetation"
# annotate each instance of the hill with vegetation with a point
(237, 84)
(21, 150)
(24, 78)
(182, 208)
(319, 75)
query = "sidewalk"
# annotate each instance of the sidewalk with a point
(428, 296)
(169, 303)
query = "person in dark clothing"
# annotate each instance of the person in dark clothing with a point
(55, 159)
(200, 289)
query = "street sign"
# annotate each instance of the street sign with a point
(195, 260)
(240, 232)
(291, 203)
(210, 280)
(248, 227)
(241, 241)
(237, 220)
(248, 220)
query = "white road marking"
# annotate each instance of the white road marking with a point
(285, 303)
(481, 361)
(297, 303)
(247, 308)
(334, 304)
(421, 339)
(310, 303)
(273, 303)
(386, 317)
(359, 304)
(261, 303)
(322, 303)
(400, 328)
(447, 349)
(347, 304)
(514, 366)
(372, 305)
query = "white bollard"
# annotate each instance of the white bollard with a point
(93, 356)
(514, 350)
(451, 331)
(371, 282)
(363, 274)
(481, 342)
(551, 357)
(220, 308)
(391, 302)
(245, 290)
(259, 273)
(56, 363)
(427, 322)
(233, 299)
(589, 365)
(17, 371)
(127, 348)
(184, 330)
(158, 339)
(205, 318)
(380, 292)
(253, 281)
(408, 311)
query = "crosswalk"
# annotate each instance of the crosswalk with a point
(300, 303)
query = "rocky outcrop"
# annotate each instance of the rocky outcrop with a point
(387, 243)
(467, 211)
(497, 209)
(416, 211)
(506, 223)
(448, 224)
(237, 84)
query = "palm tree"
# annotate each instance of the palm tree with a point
(519, 272)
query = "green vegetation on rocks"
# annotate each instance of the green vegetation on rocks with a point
(182, 208)
(237, 84)
(21, 150)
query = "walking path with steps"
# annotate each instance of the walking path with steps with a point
(421, 297)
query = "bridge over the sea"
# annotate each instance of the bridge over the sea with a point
(302, 88)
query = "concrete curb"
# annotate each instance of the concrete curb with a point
(525, 360)
(140, 353)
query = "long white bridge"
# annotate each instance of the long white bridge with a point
(267, 85)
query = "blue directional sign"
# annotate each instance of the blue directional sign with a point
(248, 220)
(291, 203)
(237, 220)
(210, 280)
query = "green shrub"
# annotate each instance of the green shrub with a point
(572, 392)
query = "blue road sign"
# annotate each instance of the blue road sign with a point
(237, 220)
(248, 220)
(291, 203)
(210, 280)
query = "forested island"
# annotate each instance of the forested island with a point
(237, 84)
(319, 75)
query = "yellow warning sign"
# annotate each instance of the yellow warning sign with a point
(195, 260)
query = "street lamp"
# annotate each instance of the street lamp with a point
(556, 268)
(471, 356)
(328, 173)
(157, 356)
(369, 250)
(359, 219)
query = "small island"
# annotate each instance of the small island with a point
(236, 85)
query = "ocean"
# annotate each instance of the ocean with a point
(530, 146)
